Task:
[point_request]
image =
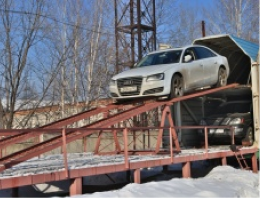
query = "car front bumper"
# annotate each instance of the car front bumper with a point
(146, 88)
(220, 134)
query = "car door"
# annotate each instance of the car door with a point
(193, 69)
(209, 61)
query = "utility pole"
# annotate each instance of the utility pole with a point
(135, 31)
(203, 28)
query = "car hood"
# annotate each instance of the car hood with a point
(219, 119)
(145, 71)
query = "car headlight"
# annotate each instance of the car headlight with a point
(236, 121)
(112, 83)
(155, 77)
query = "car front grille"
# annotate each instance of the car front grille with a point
(130, 82)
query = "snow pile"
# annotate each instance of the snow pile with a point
(222, 181)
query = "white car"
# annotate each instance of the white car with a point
(171, 73)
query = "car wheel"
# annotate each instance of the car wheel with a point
(176, 86)
(222, 77)
(249, 138)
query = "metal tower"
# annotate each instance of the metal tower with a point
(135, 31)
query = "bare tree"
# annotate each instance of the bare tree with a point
(19, 35)
(178, 24)
(56, 52)
(83, 42)
(236, 17)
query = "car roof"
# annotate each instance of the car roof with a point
(236, 101)
(176, 48)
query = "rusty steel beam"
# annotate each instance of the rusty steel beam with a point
(224, 161)
(137, 176)
(126, 148)
(64, 151)
(98, 142)
(254, 163)
(117, 144)
(181, 159)
(186, 171)
(30, 152)
(48, 145)
(76, 186)
(202, 93)
(167, 114)
(19, 181)
(24, 134)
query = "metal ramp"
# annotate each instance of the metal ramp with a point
(46, 167)
(126, 111)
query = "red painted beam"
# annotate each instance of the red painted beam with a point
(137, 176)
(74, 135)
(76, 186)
(186, 171)
(254, 163)
(76, 173)
(22, 134)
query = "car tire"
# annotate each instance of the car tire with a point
(249, 138)
(222, 77)
(176, 86)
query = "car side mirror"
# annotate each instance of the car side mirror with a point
(187, 58)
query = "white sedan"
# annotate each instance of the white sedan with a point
(171, 73)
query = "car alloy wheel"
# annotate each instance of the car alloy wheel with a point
(176, 86)
(249, 138)
(249, 135)
(222, 77)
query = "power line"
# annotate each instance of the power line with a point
(81, 26)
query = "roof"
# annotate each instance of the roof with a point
(249, 48)
(240, 53)
(229, 41)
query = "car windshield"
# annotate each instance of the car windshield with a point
(160, 58)
(234, 108)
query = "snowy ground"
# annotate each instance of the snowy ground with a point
(222, 181)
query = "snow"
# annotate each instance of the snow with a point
(55, 162)
(221, 181)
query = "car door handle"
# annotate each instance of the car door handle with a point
(201, 65)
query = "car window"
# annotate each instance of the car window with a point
(167, 57)
(147, 60)
(234, 108)
(189, 51)
(202, 52)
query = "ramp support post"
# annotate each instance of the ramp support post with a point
(254, 163)
(167, 114)
(137, 178)
(186, 172)
(224, 161)
(76, 186)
